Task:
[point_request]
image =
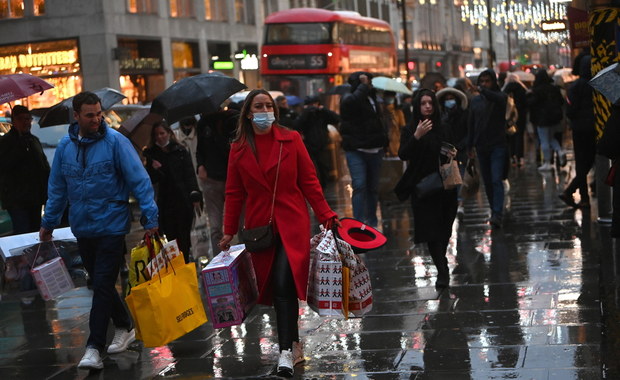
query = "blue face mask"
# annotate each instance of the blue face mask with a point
(450, 103)
(263, 120)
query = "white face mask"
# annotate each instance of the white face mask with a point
(263, 120)
(163, 145)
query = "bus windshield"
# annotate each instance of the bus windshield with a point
(299, 33)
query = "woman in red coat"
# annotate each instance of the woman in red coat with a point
(281, 271)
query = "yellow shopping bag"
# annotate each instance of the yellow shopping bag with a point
(140, 256)
(176, 262)
(168, 306)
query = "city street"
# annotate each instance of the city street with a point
(524, 303)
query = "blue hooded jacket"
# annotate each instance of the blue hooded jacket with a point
(94, 176)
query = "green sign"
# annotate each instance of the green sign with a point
(223, 65)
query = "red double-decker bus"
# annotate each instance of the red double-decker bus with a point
(309, 50)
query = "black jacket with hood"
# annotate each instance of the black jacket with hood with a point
(361, 126)
(580, 108)
(487, 116)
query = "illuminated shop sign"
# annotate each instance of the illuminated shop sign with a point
(13, 62)
(140, 64)
(553, 26)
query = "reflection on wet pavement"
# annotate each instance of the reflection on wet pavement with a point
(524, 304)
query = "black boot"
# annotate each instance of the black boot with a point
(438, 253)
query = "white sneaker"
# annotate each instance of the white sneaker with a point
(545, 167)
(285, 364)
(91, 359)
(122, 339)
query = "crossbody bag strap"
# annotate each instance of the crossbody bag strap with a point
(275, 185)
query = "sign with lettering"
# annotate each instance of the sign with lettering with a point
(578, 27)
(52, 58)
(297, 62)
(140, 64)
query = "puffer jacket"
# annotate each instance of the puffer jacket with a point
(94, 176)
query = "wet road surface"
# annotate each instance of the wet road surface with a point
(524, 303)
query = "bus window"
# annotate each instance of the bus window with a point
(298, 34)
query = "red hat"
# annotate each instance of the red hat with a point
(361, 237)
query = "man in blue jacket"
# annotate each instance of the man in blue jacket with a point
(94, 170)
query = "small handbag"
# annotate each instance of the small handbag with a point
(450, 174)
(260, 238)
(429, 185)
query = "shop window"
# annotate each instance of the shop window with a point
(181, 8)
(244, 11)
(11, 8)
(39, 7)
(215, 10)
(142, 6)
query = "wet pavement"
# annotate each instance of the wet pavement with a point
(536, 299)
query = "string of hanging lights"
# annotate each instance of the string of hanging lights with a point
(523, 16)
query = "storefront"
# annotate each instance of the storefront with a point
(185, 59)
(58, 62)
(141, 70)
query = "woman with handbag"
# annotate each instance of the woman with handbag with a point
(423, 145)
(170, 167)
(271, 176)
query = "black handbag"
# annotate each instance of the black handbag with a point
(429, 185)
(261, 238)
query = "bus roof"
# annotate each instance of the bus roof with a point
(295, 15)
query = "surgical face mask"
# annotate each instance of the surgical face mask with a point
(450, 103)
(164, 144)
(263, 120)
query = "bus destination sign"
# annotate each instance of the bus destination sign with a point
(298, 62)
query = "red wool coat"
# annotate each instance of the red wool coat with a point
(248, 185)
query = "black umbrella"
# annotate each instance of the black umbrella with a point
(62, 113)
(340, 89)
(203, 93)
(430, 79)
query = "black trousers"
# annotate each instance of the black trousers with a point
(285, 299)
(584, 145)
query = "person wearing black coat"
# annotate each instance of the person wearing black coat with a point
(487, 134)
(580, 111)
(24, 171)
(609, 146)
(546, 105)
(420, 145)
(215, 132)
(364, 138)
(515, 88)
(312, 124)
(170, 167)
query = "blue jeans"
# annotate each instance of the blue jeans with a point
(548, 142)
(365, 169)
(102, 257)
(492, 167)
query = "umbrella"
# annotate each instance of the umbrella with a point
(62, 113)
(607, 82)
(341, 89)
(138, 127)
(430, 79)
(293, 100)
(524, 76)
(17, 86)
(389, 84)
(203, 93)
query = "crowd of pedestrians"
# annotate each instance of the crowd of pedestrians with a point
(258, 163)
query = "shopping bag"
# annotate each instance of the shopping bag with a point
(471, 180)
(169, 252)
(167, 307)
(200, 237)
(230, 285)
(450, 174)
(50, 275)
(339, 283)
(140, 256)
